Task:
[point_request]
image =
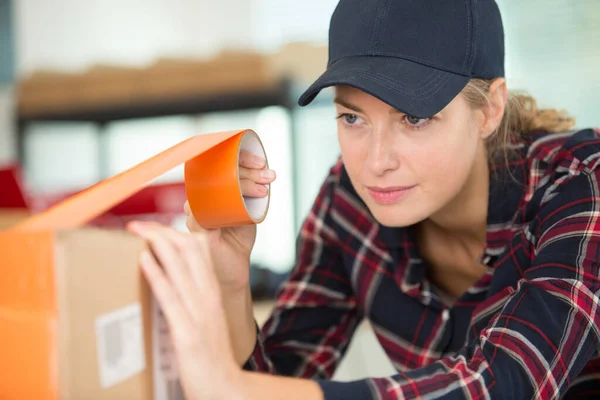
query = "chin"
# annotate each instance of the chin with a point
(397, 216)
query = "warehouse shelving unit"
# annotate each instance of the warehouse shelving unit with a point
(276, 95)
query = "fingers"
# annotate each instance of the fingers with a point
(186, 259)
(187, 209)
(192, 225)
(195, 252)
(252, 181)
(252, 189)
(263, 176)
(190, 222)
(254, 175)
(249, 160)
(170, 258)
(164, 292)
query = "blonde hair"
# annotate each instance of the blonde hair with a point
(521, 116)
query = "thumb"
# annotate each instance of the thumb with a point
(190, 222)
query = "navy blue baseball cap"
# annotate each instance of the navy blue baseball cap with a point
(415, 55)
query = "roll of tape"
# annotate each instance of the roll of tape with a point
(212, 182)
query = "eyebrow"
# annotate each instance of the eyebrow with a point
(347, 104)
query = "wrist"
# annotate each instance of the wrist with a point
(238, 303)
(242, 326)
(257, 385)
(231, 290)
(235, 283)
(235, 388)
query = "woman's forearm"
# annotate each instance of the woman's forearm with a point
(259, 386)
(240, 319)
(256, 385)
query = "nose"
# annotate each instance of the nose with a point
(381, 155)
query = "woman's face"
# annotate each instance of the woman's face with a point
(407, 169)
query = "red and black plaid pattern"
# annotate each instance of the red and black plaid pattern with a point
(528, 329)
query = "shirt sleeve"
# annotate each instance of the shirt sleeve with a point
(316, 313)
(539, 334)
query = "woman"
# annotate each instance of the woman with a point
(460, 220)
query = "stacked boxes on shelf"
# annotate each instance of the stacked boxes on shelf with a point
(47, 92)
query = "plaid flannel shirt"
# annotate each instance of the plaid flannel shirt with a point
(527, 329)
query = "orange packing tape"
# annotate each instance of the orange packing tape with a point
(211, 182)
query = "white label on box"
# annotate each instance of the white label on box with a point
(120, 345)
(165, 374)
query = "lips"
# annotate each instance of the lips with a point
(389, 195)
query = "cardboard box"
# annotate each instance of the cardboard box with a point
(228, 72)
(109, 86)
(77, 320)
(48, 91)
(299, 61)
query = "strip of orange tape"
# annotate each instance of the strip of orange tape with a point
(211, 182)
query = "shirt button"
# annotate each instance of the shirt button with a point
(445, 315)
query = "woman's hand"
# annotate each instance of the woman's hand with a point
(234, 245)
(180, 271)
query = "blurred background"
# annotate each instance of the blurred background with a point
(90, 88)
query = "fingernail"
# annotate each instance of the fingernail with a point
(262, 189)
(267, 174)
(135, 225)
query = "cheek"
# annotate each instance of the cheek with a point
(446, 162)
(353, 153)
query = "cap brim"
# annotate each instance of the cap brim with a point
(411, 88)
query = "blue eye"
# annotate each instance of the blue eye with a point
(350, 118)
(414, 121)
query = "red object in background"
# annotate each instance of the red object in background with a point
(158, 202)
(159, 198)
(11, 194)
